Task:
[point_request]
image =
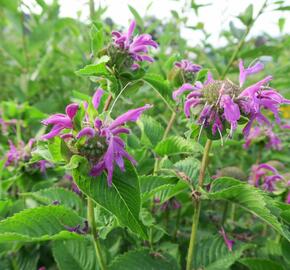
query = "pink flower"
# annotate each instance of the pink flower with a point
(217, 102)
(135, 46)
(60, 121)
(188, 66)
(103, 146)
(264, 175)
(260, 132)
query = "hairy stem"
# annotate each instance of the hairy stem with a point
(92, 224)
(108, 102)
(195, 218)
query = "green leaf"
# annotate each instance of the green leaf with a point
(64, 196)
(249, 198)
(283, 8)
(74, 254)
(151, 184)
(152, 131)
(50, 151)
(27, 258)
(40, 224)
(189, 167)
(142, 260)
(247, 16)
(159, 84)
(261, 264)
(137, 16)
(97, 69)
(171, 191)
(177, 145)
(213, 254)
(281, 24)
(123, 199)
(285, 246)
(97, 37)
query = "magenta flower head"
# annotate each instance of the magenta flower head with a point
(222, 104)
(98, 140)
(265, 135)
(60, 122)
(264, 175)
(188, 66)
(130, 49)
(229, 243)
(183, 72)
(20, 153)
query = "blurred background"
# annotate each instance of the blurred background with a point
(43, 42)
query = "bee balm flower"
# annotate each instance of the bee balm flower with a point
(132, 48)
(99, 140)
(222, 103)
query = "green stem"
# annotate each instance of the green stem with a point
(167, 130)
(169, 126)
(195, 218)
(93, 227)
(92, 9)
(242, 41)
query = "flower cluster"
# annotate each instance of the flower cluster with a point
(135, 47)
(22, 153)
(259, 133)
(264, 175)
(222, 103)
(98, 140)
(188, 66)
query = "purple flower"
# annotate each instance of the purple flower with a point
(188, 66)
(13, 156)
(135, 46)
(264, 175)
(218, 102)
(60, 121)
(103, 146)
(115, 152)
(229, 243)
(244, 73)
(42, 165)
(263, 132)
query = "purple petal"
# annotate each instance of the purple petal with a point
(71, 110)
(131, 29)
(54, 132)
(97, 97)
(209, 78)
(130, 116)
(244, 73)
(185, 87)
(87, 131)
(231, 111)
